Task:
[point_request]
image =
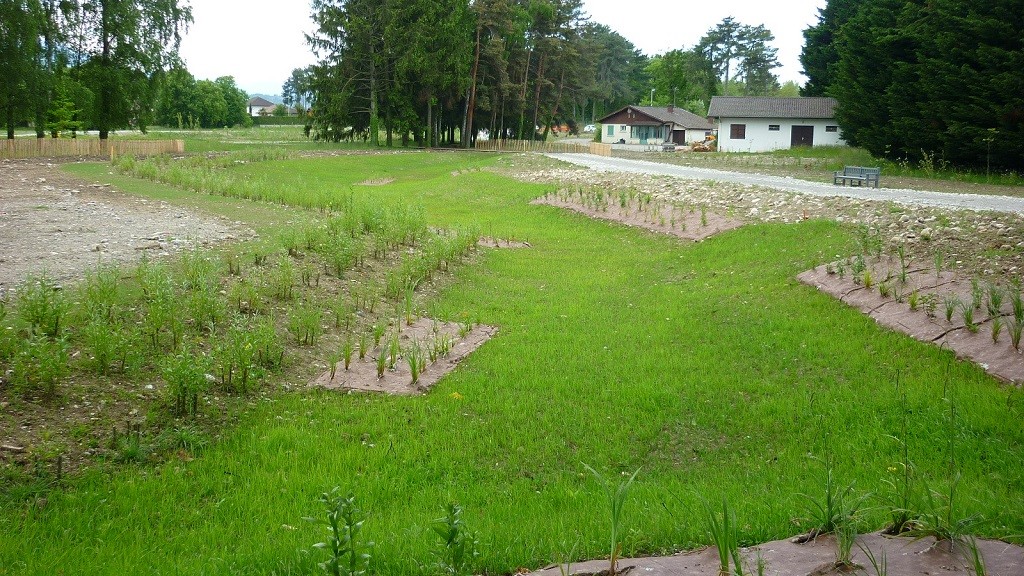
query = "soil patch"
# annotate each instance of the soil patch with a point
(892, 291)
(905, 557)
(53, 222)
(489, 242)
(362, 374)
(691, 223)
(377, 182)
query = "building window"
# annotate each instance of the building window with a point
(611, 130)
(773, 127)
(737, 131)
(623, 128)
(831, 128)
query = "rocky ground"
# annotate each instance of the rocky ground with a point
(985, 244)
(54, 223)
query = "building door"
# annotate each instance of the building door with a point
(679, 137)
(802, 136)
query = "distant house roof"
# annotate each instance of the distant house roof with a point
(757, 107)
(663, 115)
(261, 102)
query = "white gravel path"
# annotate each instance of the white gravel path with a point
(978, 202)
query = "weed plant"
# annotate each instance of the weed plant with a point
(185, 374)
(42, 305)
(347, 553)
(458, 546)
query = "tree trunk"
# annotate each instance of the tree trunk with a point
(106, 98)
(430, 120)
(374, 121)
(536, 98)
(522, 95)
(471, 105)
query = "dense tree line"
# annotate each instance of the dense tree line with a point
(924, 80)
(186, 103)
(67, 65)
(440, 70)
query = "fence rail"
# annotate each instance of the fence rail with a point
(56, 148)
(535, 146)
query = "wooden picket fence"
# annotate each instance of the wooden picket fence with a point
(88, 147)
(539, 146)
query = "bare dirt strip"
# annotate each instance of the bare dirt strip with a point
(361, 374)
(998, 357)
(904, 557)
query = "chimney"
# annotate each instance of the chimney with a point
(671, 108)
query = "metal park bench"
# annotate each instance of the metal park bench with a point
(858, 176)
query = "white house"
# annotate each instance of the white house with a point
(763, 124)
(260, 106)
(653, 125)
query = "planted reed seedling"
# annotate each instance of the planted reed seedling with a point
(414, 358)
(616, 500)
(930, 301)
(866, 278)
(838, 506)
(996, 328)
(977, 294)
(347, 348)
(332, 361)
(880, 564)
(995, 299)
(884, 289)
(1014, 328)
(975, 557)
(937, 260)
(1017, 302)
(914, 300)
(347, 554)
(950, 303)
(304, 323)
(846, 535)
(382, 364)
(364, 344)
(967, 311)
(722, 528)
(378, 333)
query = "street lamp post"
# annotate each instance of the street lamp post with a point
(652, 96)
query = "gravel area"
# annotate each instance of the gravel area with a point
(988, 244)
(900, 196)
(55, 224)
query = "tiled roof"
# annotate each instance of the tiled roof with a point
(683, 118)
(750, 107)
(257, 101)
(678, 116)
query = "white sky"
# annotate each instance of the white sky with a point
(260, 42)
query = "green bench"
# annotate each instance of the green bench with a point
(857, 176)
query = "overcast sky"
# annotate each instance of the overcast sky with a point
(260, 42)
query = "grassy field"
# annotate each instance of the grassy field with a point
(707, 366)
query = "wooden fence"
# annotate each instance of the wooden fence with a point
(91, 147)
(538, 146)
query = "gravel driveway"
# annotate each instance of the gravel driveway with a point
(911, 197)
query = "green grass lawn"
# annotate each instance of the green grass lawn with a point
(707, 366)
